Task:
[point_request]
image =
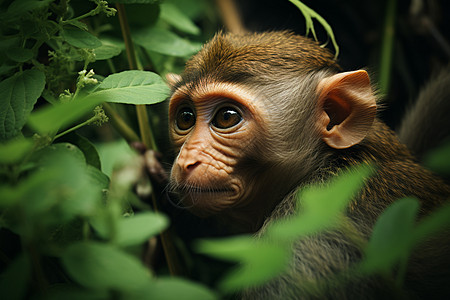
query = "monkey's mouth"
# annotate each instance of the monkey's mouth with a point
(203, 190)
(204, 201)
(211, 191)
(206, 196)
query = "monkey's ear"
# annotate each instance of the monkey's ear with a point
(172, 79)
(347, 108)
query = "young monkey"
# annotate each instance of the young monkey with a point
(255, 117)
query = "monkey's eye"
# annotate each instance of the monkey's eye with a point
(226, 117)
(185, 118)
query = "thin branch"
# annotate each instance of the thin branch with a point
(147, 139)
(141, 111)
(230, 16)
(387, 47)
(120, 125)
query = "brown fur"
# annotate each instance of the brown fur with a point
(289, 153)
(238, 58)
(319, 258)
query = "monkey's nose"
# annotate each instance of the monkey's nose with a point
(187, 166)
(190, 167)
(188, 160)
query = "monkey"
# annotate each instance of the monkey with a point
(254, 118)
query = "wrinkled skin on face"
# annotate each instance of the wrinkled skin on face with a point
(210, 129)
(242, 125)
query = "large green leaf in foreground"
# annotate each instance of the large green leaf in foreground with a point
(18, 95)
(96, 265)
(165, 42)
(132, 87)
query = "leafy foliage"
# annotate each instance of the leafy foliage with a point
(252, 254)
(70, 229)
(19, 93)
(438, 159)
(319, 208)
(132, 87)
(70, 222)
(309, 14)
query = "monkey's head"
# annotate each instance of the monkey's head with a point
(253, 115)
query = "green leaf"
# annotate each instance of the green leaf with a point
(172, 288)
(177, 288)
(236, 248)
(68, 191)
(194, 9)
(88, 149)
(80, 38)
(165, 42)
(134, 1)
(6, 68)
(63, 235)
(141, 15)
(255, 267)
(20, 54)
(114, 153)
(72, 292)
(8, 43)
(50, 154)
(106, 51)
(14, 280)
(20, 7)
(18, 95)
(309, 14)
(97, 177)
(56, 190)
(437, 221)
(132, 87)
(175, 17)
(392, 236)
(15, 150)
(321, 207)
(54, 117)
(77, 24)
(104, 223)
(101, 266)
(139, 228)
(438, 160)
(10, 195)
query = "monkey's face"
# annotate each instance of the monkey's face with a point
(249, 118)
(211, 125)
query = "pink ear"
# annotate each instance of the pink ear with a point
(348, 108)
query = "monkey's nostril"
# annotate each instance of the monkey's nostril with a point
(192, 166)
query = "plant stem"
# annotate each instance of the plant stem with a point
(126, 33)
(120, 125)
(144, 127)
(111, 65)
(387, 47)
(87, 122)
(147, 139)
(141, 111)
(91, 13)
(38, 273)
